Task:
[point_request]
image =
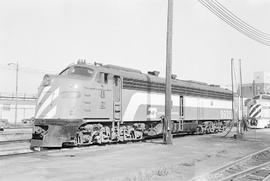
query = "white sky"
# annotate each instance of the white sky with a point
(50, 34)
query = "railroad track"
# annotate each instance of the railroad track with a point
(258, 173)
(14, 141)
(252, 167)
(21, 147)
(9, 148)
(14, 147)
(9, 152)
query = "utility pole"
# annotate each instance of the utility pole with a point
(16, 99)
(16, 90)
(253, 88)
(167, 128)
(233, 117)
(241, 110)
(238, 134)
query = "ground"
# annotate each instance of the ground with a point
(188, 157)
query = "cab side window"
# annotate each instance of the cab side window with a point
(117, 88)
(106, 78)
(103, 78)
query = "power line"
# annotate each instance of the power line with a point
(235, 22)
(250, 29)
(35, 70)
(231, 14)
(232, 23)
(28, 69)
(236, 25)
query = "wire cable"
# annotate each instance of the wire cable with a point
(236, 22)
(28, 69)
(241, 30)
(243, 26)
(229, 21)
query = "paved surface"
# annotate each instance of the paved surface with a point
(188, 157)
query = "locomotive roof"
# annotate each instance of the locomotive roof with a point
(138, 75)
(133, 74)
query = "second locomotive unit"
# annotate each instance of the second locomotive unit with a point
(87, 104)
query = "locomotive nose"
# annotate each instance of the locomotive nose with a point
(63, 100)
(57, 117)
(59, 99)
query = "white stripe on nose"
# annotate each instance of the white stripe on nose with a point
(42, 94)
(47, 102)
(51, 113)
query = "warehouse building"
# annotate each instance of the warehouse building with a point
(25, 108)
(260, 85)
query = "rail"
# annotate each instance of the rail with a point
(256, 165)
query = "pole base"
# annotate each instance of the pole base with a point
(238, 136)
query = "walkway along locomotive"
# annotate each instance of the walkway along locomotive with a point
(87, 104)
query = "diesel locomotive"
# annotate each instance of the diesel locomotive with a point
(258, 111)
(94, 103)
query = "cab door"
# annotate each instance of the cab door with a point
(117, 98)
(181, 113)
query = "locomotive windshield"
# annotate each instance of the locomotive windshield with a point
(76, 70)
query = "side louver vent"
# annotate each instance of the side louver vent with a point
(135, 84)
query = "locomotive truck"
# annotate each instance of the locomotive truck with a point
(93, 104)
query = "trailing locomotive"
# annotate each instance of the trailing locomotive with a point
(87, 104)
(258, 109)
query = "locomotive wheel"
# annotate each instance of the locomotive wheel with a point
(211, 127)
(138, 135)
(100, 134)
(200, 130)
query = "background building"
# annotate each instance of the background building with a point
(25, 108)
(260, 85)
